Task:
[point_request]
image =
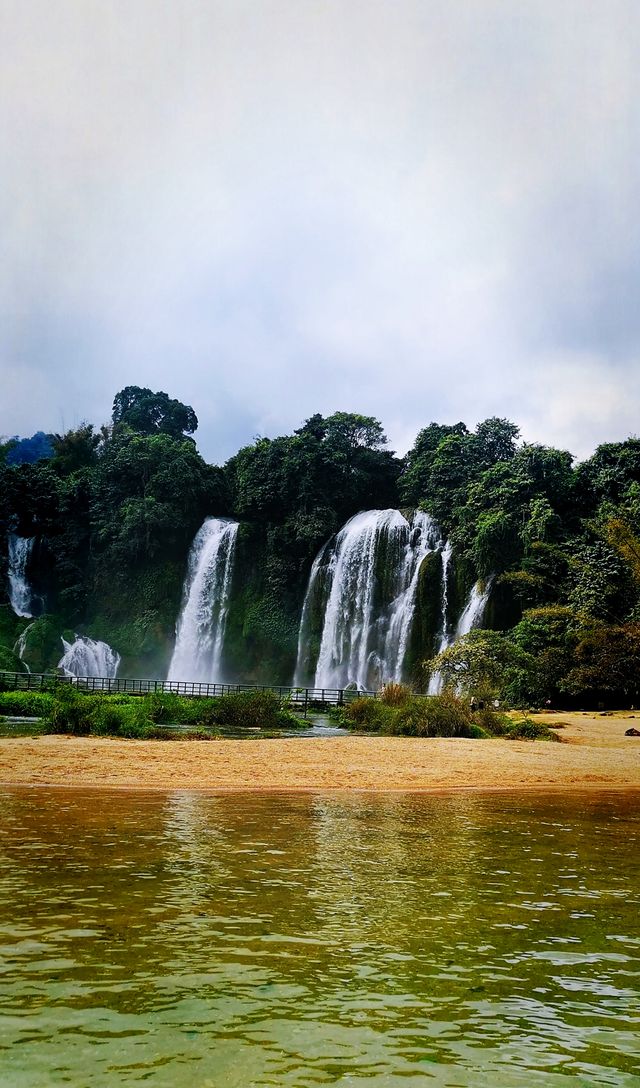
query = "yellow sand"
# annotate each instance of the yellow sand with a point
(594, 754)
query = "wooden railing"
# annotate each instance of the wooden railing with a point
(299, 697)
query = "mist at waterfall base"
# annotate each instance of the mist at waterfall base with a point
(87, 657)
(364, 582)
(197, 656)
(21, 597)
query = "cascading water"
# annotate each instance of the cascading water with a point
(364, 581)
(435, 682)
(89, 657)
(474, 609)
(20, 595)
(20, 647)
(202, 621)
(470, 618)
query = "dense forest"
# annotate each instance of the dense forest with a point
(114, 511)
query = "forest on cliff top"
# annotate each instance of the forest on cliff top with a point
(114, 510)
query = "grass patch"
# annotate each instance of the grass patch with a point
(30, 704)
(72, 711)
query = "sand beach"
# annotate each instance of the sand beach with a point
(594, 753)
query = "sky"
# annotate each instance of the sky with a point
(415, 209)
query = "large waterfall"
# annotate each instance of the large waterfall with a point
(364, 583)
(20, 595)
(470, 618)
(88, 657)
(201, 625)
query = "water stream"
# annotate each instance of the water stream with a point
(201, 625)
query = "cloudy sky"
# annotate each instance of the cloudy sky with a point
(416, 209)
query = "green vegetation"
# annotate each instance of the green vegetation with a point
(445, 715)
(66, 709)
(114, 512)
(30, 704)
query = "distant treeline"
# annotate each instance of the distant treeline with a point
(114, 511)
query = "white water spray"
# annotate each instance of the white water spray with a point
(202, 621)
(20, 647)
(445, 638)
(20, 595)
(364, 581)
(89, 657)
(474, 609)
(470, 618)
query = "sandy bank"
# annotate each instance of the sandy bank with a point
(595, 753)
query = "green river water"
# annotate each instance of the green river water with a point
(255, 940)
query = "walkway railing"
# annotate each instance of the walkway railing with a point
(299, 697)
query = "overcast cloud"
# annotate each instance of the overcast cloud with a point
(417, 210)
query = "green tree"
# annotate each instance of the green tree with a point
(415, 482)
(495, 440)
(606, 664)
(75, 450)
(486, 664)
(153, 413)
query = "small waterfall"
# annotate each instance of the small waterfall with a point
(205, 603)
(445, 638)
(470, 618)
(88, 657)
(21, 645)
(364, 582)
(474, 609)
(20, 595)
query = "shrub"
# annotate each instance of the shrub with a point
(117, 719)
(70, 710)
(251, 709)
(31, 704)
(368, 715)
(492, 722)
(393, 694)
(527, 729)
(165, 706)
(437, 716)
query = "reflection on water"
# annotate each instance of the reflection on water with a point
(253, 940)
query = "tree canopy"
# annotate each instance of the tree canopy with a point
(114, 511)
(153, 413)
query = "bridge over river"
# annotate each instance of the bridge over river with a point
(300, 698)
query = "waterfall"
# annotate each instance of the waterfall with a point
(20, 596)
(205, 603)
(88, 657)
(470, 618)
(364, 583)
(20, 647)
(445, 639)
(474, 609)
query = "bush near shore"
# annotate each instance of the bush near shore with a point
(68, 710)
(397, 712)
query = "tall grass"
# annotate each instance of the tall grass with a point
(444, 715)
(80, 714)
